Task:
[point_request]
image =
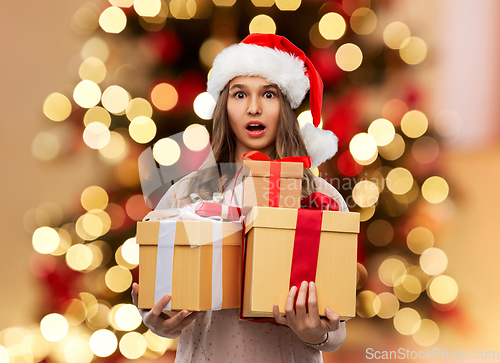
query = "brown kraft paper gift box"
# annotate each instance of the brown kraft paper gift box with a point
(270, 234)
(257, 183)
(192, 265)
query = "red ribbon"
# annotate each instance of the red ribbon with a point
(319, 201)
(275, 171)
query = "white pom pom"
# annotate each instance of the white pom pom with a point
(321, 144)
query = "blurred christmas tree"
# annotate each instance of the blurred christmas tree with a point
(142, 77)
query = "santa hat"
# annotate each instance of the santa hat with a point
(280, 62)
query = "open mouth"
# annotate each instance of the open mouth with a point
(255, 128)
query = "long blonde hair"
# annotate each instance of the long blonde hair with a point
(288, 142)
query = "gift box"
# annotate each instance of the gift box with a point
(276, 183)
(198, 263)
(287, 246)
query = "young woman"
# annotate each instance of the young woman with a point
(257, 83)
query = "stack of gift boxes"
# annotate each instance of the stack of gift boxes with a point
(220, 257)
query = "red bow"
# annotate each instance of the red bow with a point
(258, 156)
(319, 201)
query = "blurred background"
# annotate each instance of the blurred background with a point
(411, 89)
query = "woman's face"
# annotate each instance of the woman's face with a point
(253, 108)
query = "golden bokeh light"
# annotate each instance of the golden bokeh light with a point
(45, 240)
(133, 345)
(413, 50)
(414, 124)
(127, 317)
(89, 226)
(118, 279)
(115, 99)
(121, 261)
(419, 239)
(380, 232)
(75, 312)
(105, 221)
(407, 288)
(288, 5)
(305, 117)
(45, 146)
(103, 343)
(196, 137)
(448, 123)
(142, 129)
(65, 242)
(365, 193)
(226, 3)
(395, 33)
(332, 26)
(435, 189)
(164, 96)
(183, 9)
(116, 149)
(94, 197)
(4, 355)
(366, 213)
(204, 105)
(209, 50)
(427, 334)
(78, 351)
(156, 343)
(139, 107)
(349, 57)
(351, 5)
(425, 149)
(39, 347)
(87, 94)
(100, 319)
(363, 21)
(130, 251)
(57, 107)
(363, 148)
(382, 131)
(166, 151)
(317, 39)
(433, 261)
(386, 305)
(443, 289)
(113, 20)
(262, 24)
(148, 8)
(263, 3)
(364, 304)
(407, 321)
(85, 20)
(399, 180)
(92, 69)
(79, 257)
(97, 114)
(394, 149)
(95, 47)
(122, 3)
(96, 135)
(391, 270)
(394, 111)
(20, 353)
(54, 327)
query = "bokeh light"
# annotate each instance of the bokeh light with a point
(87, 94)
(395, 33)
(351, 5)
(262, 24)
(382, 131)
(363, 21)
(75, 312)
(79, 257)
(305, 117)
(419, 239)
(365, 193)
(288, 5)
(425, 149)
(78, 351)
(433, 261)
(54, 327)
(407, 321)
(332, 26)
(407, 288)
(57, 107)
(394, 110)
(164, 96)
(380, 232)
(317, 39)
(435, 189)
(209, 50)
(113, 20)
(413, 50)
(116, 149)
(196, 137)
(364, 304)
(122, 3)
(86, 19)
(95, 47)
(166, 151)
(363, 148)
(97, 114)
(45, 146)
(147, 8)
(204, 105)
(156, 343)
(118, 279)
(133, 345)
(349, 57)
(263, 3)
(103, 343)
(139, 107)
(391, 270)
(94, 197)
(399, 180)
(427, 334)
(142, 129)
(115, 99)
(414, 124)
(96, 135)
(394, 149)
(127, 317)
(93, 69)
(184, 9)
(443, 289)
(45, 240)
(130, 251)
(386, 305)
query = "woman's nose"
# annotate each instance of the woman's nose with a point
(254, 107)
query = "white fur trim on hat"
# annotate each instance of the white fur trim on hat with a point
(321, 144)
(278, 67)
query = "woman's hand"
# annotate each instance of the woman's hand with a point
(160, 323)
(305, 320)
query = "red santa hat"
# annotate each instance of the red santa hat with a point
(280, 62)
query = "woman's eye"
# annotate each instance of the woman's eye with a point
(239, 95)
(269, 94)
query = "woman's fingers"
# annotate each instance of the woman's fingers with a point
(333, 319)
(180, 320)
(301, 301)
(290, 300)
(280, 319)
(135, 294)
(313, 300)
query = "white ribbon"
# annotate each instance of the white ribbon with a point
(165, 259)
